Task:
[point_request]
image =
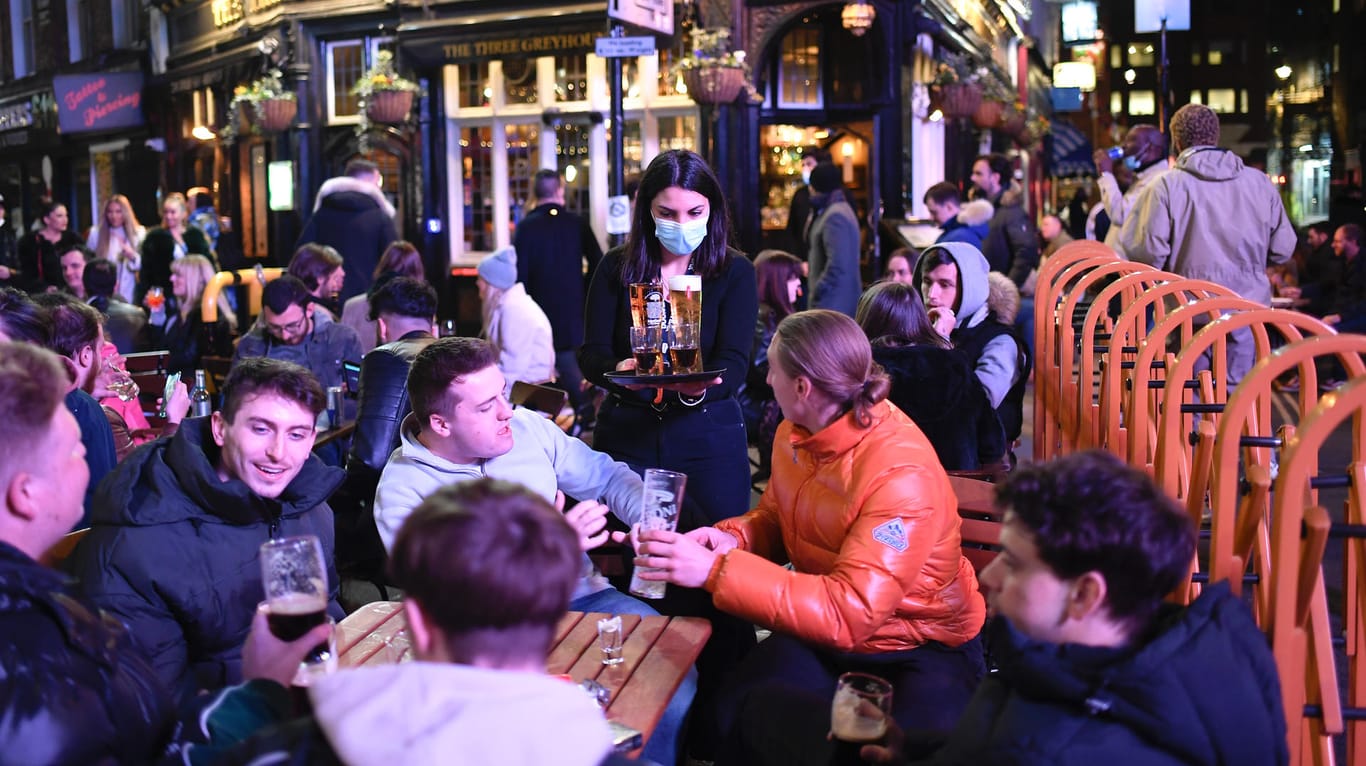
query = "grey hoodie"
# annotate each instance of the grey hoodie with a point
(1211, 218)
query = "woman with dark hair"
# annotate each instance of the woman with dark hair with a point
(680, 226)
(400, 259)
(40, 268)
(930, 382)
(867, 519)
(172, 240)
(780, 285)
(321, 270)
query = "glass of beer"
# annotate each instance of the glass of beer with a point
(647, 305)
(685, 299)
(294, 574)
(663, 499)
(646, 347)
(684, 351)
(859, 711)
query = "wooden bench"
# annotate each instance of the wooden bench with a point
(981, 521)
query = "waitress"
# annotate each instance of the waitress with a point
(679, 226)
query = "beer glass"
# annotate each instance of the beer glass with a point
(859, 711)
(646, 344)
(647, 305)
(684, 352)
(663, 498)
(685, 299)
(294, 574)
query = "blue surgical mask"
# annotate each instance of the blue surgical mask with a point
(1131, 163)
(806, 176)
(681, 238)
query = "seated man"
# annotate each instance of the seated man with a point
(173, 549)
(953, 281)
(124, 322)
(77, 690)
(405, 309)
(287, 330)
(462, 428)
(478, 692)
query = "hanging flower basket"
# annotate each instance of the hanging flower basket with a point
(714, 84)
(1013, 123)
(988, 114)
(276, 114)
(389, 106)
(959, 99)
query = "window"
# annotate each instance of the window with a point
(1140, 54)
(519, 81)
(1197, 97)
(474, 85)
(126, 27)
(346, 61)
(571, 77)
(21, 32)
(1242, 101)
(1142, 102)
(1116, 62)
(1116, 102)
(1222, 100)
(1195, 57)
(799, 70)
(1219, 51)
(475, 146)
(78, 40)
(523, 143)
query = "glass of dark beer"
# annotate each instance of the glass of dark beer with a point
(646, 347)
(294, 575)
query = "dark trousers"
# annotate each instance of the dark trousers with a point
(569, 379)
(776, 709)
(706, 442)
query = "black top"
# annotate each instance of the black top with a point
(158, 253)
(939, 391)
(552, 244)
(189, 341)
(972, 341)
(730, 305)
(40, 265)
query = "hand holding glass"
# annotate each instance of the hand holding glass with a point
(294, 574)
(859, 711)
(663, 499)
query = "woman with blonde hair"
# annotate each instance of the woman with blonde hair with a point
(118, 239)
(861, 508)
(400, 259)
(181, 330)
(172, 240)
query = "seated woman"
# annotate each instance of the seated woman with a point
(125, 416)
(930, 382)
(181, 329)
(779, 275)
(321, 270)
(860, 506)
(400, 259)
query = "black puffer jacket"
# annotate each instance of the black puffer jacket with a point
(354, 217)
(940, 392)
(1203, 691)
(173, 552)
(73, 688)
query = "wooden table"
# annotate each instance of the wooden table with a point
(658, 653)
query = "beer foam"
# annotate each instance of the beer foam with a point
(848, 724)
(686, 283)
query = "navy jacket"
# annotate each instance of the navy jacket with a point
(98, 437)
(552, 244)
(939, 391)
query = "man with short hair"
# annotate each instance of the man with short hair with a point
(352, 215)
(22, 320)
(287, 330)
(478, 692)
(1145, 158)
(958, 222)
(123, 322)
(1010, 245)
(1349, 304)
(556, 256)
(462, 428)
(1211, 218)
(173, 550)
(799, 210)
(1321, 273)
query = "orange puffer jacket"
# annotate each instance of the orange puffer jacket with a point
(870, 524)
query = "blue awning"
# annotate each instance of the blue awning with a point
(1071, 151)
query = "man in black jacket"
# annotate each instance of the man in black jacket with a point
(405, 309)
(1012, 244)
(552, 247)
(351, 215)
(173, 550)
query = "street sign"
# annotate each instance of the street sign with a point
(624, 47)
(655, 15)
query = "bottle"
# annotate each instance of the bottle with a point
(200, 404)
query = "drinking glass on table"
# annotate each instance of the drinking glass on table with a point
(663, 499)
(294, 574)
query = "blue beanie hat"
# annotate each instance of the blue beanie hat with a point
(500, 268)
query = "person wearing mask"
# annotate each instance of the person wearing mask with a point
(799, 211)
(168, 243)
(118, 239)
(1145, 158)
(1011, 245)
(40, 268)
(834, 244)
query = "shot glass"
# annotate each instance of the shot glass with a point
(609, 640)
(646, 347)
(684, 354)
(859, 710)
(663, 499)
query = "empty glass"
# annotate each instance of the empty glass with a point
(663, 499)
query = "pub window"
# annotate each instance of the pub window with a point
(670, 76)
(1219, 50)
(571, 77)
(1142, 102)
(346, 61)
(1242, 101)
(474, 85)
(125, 18)
(78, 14)
(476, 148)
(1116, 102)
(1223, 100)
(523, 146)
(677, 132)
(1140, 54)
(571, 151)
(1115, 61)
(1195, 57)
(519, 81)
(1196, 97)
(21, 35)
(799, 70)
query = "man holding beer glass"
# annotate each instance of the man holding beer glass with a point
(177, 527)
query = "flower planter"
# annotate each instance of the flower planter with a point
(714, 84)
(389, 106)
(959, 99)
(276, 114)
(1013, 123)
(988, 114)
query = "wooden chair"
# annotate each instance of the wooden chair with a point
(64, 547)
(980, 520)
(149, 370)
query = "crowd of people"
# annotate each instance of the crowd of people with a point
(485, 517)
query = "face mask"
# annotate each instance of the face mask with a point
(1131, 163)
(806, 176)
(681, 238)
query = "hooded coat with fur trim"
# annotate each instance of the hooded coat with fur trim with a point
(353, 217)
(970, 225)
